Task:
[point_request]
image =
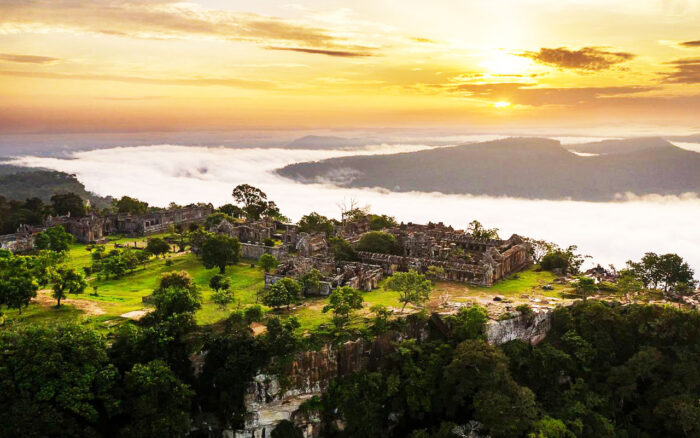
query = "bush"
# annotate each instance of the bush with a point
(377, 241)
(253, 313)
(524, 309)
(268, 242)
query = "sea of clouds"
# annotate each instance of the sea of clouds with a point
(611, 232)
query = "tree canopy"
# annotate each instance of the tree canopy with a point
(412, 287)
(378, 241)
(220, 251)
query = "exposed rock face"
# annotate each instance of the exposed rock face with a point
(529, 328)
(270, 399)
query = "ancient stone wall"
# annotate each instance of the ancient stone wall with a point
(255, 251)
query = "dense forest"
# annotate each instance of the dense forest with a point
(604, 370)
(20, 183)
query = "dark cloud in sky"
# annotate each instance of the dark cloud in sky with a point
(586, 58)
(686, 71)
(29, 59)
(340, 53)
(695, 43)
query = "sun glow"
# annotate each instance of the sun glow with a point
(501, 104)
(499, 63)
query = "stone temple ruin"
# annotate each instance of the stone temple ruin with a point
(434, 249)
(458, 256)
(93, 228)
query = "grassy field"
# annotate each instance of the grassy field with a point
(119, 296)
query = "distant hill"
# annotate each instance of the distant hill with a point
(519, 167)
(330, 142)
(620, 146)
(21, 183)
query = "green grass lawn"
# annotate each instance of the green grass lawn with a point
(527, 282)
(118, 296)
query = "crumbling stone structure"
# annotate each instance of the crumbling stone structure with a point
(334, 274)
(21, 241)
(93, 228)
(311, 245)
(460, 256)
(156, 222)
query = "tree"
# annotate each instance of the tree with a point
(412, 287)
(568, 261)
(130, 205)
(232, 210)
(342, 250)
(378, 241)
(222, 295)
(17, 283)
(157, 246)
(311, 282)
(253, 199)
(176, 294)
(68, 280)
(478, 231)
(268, 262)
(68, 203)
(56, 381)
(377, 222)
(585, 287)
(283, 292)
(156, 402)
(54, 238)
(667, 269)
(342, 302)
(223, 298)
(178, 279)
(214, 219)
(539, 248)
(628, 283)
(220, 251)
(219, 282)
(197, 237)
(315, 223)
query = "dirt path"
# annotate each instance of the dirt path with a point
(44, 298)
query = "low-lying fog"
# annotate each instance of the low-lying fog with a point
(610, 232)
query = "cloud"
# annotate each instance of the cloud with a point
(695, 43)
(327, 52)
(29, 59)
(423, 40)
(686, 71)
(160, 174)
(197, 81)
(529, 94)
(160, 19)
(586, 58)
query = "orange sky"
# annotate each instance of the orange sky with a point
(78, 65)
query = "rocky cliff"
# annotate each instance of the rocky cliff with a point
(271, 398)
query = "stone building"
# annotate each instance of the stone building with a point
(310, 245)
(155, 222)
(85, 229)
(21, 241)
(334, 274)
(93, 228)
(461, 256)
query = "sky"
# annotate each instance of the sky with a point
(160, 65)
